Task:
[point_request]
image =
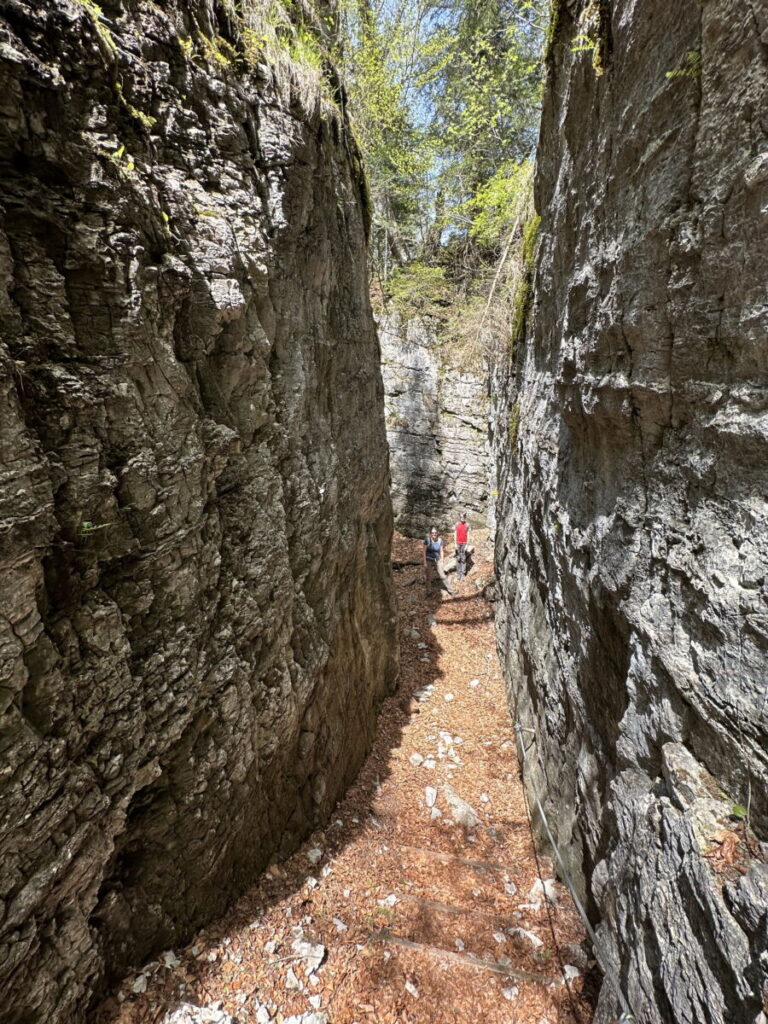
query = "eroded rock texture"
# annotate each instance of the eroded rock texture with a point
(436, 415)
(197, 618)
(632, 539)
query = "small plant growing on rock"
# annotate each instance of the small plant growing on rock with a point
(217, 50)
(305, 49)
(254, 45)
(205, 211)
(123, 161)
(593, 37)
(97, 16)
(86, 527)
(553, 24)
(690, 67)
(138, 115)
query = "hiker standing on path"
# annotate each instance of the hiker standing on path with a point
(460, 535)
(433, 561)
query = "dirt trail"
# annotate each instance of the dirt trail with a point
(421, 919)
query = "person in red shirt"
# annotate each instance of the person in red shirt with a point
(460, 537)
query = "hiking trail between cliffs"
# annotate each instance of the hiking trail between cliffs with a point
(421, 901)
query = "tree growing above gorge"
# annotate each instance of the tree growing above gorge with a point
(444, 95)
(380, 52)
(482, 76)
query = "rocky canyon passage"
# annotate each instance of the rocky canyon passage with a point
(206, 442)
(421, 900)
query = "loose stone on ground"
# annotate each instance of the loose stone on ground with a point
(427, 906)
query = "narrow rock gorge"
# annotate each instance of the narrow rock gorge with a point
(197, 614)
(436, 415)
(197, 419)
(630, 441)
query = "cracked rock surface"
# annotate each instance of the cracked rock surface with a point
(436, 415)
(632, 527)
(196, 617)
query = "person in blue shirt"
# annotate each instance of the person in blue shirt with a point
(433, 561)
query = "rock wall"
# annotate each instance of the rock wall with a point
(197, 616)
(436, 416)
(632, 547)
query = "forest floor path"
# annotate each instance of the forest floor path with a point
(421, 902)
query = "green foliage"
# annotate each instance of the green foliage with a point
(513, 427)
(254, 45)
(217, 50)
(494, 206)
(444, 98)
(378, 54)
(530, 238)
(417, 289)
(289, 35)
(739, 811)
(123, 161)
(524, 286)
(689, 68)
(138, 115)
(594, 24)
(305, 49)
(283, 33)
(488, 312)
(103, 32)
(520, 308)
(553, 27)
(87, 527)
(484, 80)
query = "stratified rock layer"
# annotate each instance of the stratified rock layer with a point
(630, 437)
(197, 616)
(436, 415)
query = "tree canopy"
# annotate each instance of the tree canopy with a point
(444, 96)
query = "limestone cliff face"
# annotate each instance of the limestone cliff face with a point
(197, 619)
(436, 416)
(631, 439)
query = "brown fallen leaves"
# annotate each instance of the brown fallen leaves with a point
(733, 849)
(407, 903)
(726, 847)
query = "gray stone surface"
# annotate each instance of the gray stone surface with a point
(436, 415)
(632, 546)
(188, 1013)
(196, 616)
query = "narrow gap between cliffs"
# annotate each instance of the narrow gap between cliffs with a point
(421, 900)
